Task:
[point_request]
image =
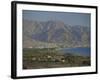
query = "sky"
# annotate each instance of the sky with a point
(70, 18)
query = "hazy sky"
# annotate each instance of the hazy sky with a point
(66, 17)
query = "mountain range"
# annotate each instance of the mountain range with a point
(54, 34)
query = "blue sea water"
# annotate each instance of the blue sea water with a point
(84, 51)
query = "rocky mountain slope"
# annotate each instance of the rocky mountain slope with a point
(54, 34)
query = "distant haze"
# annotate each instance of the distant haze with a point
(70, 18)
